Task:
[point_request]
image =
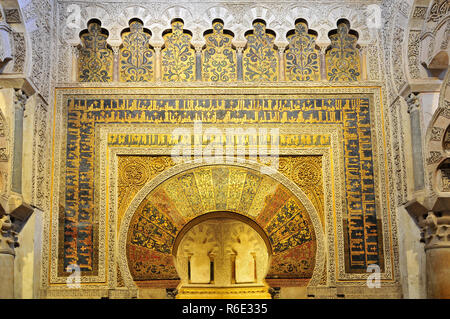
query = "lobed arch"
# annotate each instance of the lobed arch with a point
(157, 24)
(198, 23)
(222, 13)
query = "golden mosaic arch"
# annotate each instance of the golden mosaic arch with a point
(302, 55)
(177, 196)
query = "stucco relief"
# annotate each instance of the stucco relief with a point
(197, 17)
(434, 48)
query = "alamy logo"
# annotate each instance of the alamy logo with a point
(74, 279)
(73, 20)
(225, 145)
(373, 17)
(374, 279)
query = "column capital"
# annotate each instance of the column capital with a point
(240, 46)
(20, 99)
(413, 102)
(323, 48)
(198, 48)
(8, 237)
(157, 48)
(75, 50)
(115, 49)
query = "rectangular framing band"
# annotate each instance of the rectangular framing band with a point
(106, 159)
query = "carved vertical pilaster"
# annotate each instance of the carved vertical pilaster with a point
(416, 136)
(20, 99)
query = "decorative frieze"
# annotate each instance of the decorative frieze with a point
(434, 157)
(413, 54)
(436, 133)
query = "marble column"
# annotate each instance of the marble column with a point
(8, 241)
(416, 136)
(157, 62)
(363, 64)
(433, 218)
(116, 66)
(323, 64)
(198, 62)
(75, 55)
(281, 58)
(240, 69)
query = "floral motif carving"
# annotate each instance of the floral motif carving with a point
(260, 57)
(96, 58)
(177, 56)
(438, 9)
(302, 56)
(342, 58)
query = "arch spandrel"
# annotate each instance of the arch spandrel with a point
(288, 218)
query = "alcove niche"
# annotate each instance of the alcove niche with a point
(222, 255)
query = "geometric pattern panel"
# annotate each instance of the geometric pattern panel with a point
(342, 57)
(95, 63)
(136, 58)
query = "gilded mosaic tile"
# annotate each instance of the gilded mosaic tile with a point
(177, 56)
(136, 58)
(95, 63)
(84, 113)
(289, 228)
(219, 57)
(260, 61)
